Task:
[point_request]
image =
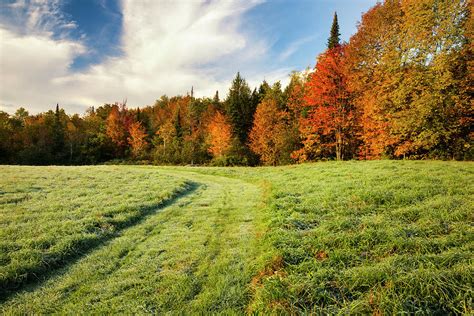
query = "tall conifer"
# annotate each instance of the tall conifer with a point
(334, 39)
(240, 108)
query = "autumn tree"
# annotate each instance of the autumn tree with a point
(267, 137)
(327, 118)
(137, 139)
(329, 128)
(167, 133)
(431, 102)
(170, 123)
(408, 76)
(36, 140)
(297, 112)
(373, 58)
(116, 128)
(219, 136)
(294, 95)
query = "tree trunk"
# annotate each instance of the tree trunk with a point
(338, 145)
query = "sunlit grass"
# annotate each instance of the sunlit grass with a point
(351, 237)
(50, 214)
(368, 237)
(198, 254)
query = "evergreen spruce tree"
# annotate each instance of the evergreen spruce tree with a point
(263, 90)
(240, 108)
(255, 98)
(138, 115)
(216, 101)
(177, 126)
(334, 39)
(58, 135)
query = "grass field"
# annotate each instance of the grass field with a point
(48, 215)
(351, 237)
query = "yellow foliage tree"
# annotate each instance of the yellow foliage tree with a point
(268, 134)
(137, 139)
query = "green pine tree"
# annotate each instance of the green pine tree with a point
(58, 136)
(216, 102)
(138, 115)
(177, 126)
(240, 108)
(255, 98)
(334, 39)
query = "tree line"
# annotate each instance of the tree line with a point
(400, 88)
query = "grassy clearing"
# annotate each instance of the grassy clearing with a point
(367, 237)
(198, 254)
(48, 215)
(352, 238)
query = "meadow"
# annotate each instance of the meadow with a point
(325, 238)
(48, 215)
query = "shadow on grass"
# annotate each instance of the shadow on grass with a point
(36, 276)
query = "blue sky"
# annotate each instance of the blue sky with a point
(100, 22)
(81, 53)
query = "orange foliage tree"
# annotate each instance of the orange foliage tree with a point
(117, 124)
(295, 94)
(329, 127)
(137, 139)
(219, 135)
(267, 137)
(373, 57)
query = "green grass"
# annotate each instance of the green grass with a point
(49, 215)
(325, 238)
(368, 237)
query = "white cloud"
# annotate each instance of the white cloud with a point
(34, 51)
(167, 47)
(293, 47)
(37, 17)
(281, 74)
(28, 67)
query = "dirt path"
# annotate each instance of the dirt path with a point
(195, 255)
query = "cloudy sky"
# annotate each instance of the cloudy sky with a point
(80, 53)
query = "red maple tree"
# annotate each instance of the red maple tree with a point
(328, 128)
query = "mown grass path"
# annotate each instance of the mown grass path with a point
(197, 255)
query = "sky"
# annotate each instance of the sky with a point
(82, 53)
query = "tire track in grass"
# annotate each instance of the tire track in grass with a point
(43, 273)
(195, 256)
